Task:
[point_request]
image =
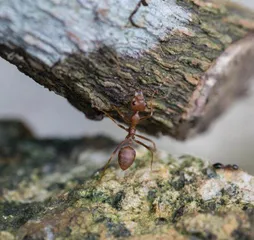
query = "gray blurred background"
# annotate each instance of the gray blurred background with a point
(229, 140)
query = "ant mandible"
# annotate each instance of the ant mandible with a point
(127, 154)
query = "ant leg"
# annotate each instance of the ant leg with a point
(144, 3)
(146, 117)
(147, 139)
(151, 112)
(119, 125)
(112, 155)
(147, 147)
(152, 107)
(122, 115)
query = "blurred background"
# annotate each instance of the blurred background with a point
(229, 140)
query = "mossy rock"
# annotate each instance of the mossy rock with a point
(181, 198)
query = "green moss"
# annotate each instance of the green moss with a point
(242, 234)
(100, 205)
(13, 215)
(117, 199)
(94, 196)
(118, 230)
(180, 183)
(91, 236)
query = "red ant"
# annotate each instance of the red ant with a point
(127, 154)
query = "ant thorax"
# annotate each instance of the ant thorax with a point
(135, 118)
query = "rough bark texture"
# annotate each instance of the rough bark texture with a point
(49, 189)
(90, 53)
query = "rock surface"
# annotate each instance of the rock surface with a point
(50, 189)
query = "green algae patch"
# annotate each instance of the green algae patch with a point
(13, 214)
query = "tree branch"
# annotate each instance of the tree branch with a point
(90, 53)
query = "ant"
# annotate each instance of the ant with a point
(225, 167)
(141, 2)
(127, 154)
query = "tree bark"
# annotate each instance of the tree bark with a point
(97, 53)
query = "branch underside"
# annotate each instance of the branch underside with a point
(184, 65)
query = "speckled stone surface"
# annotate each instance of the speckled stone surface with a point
(50, 189)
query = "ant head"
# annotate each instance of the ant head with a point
(138, 103)
(218, 165)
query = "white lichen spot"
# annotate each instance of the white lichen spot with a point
(212, 188)
(110, 186)
(243, 181)
(211, 81)
(51, 29)
(49, 233)
(132, 201)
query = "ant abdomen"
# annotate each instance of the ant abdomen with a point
(126, 157)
